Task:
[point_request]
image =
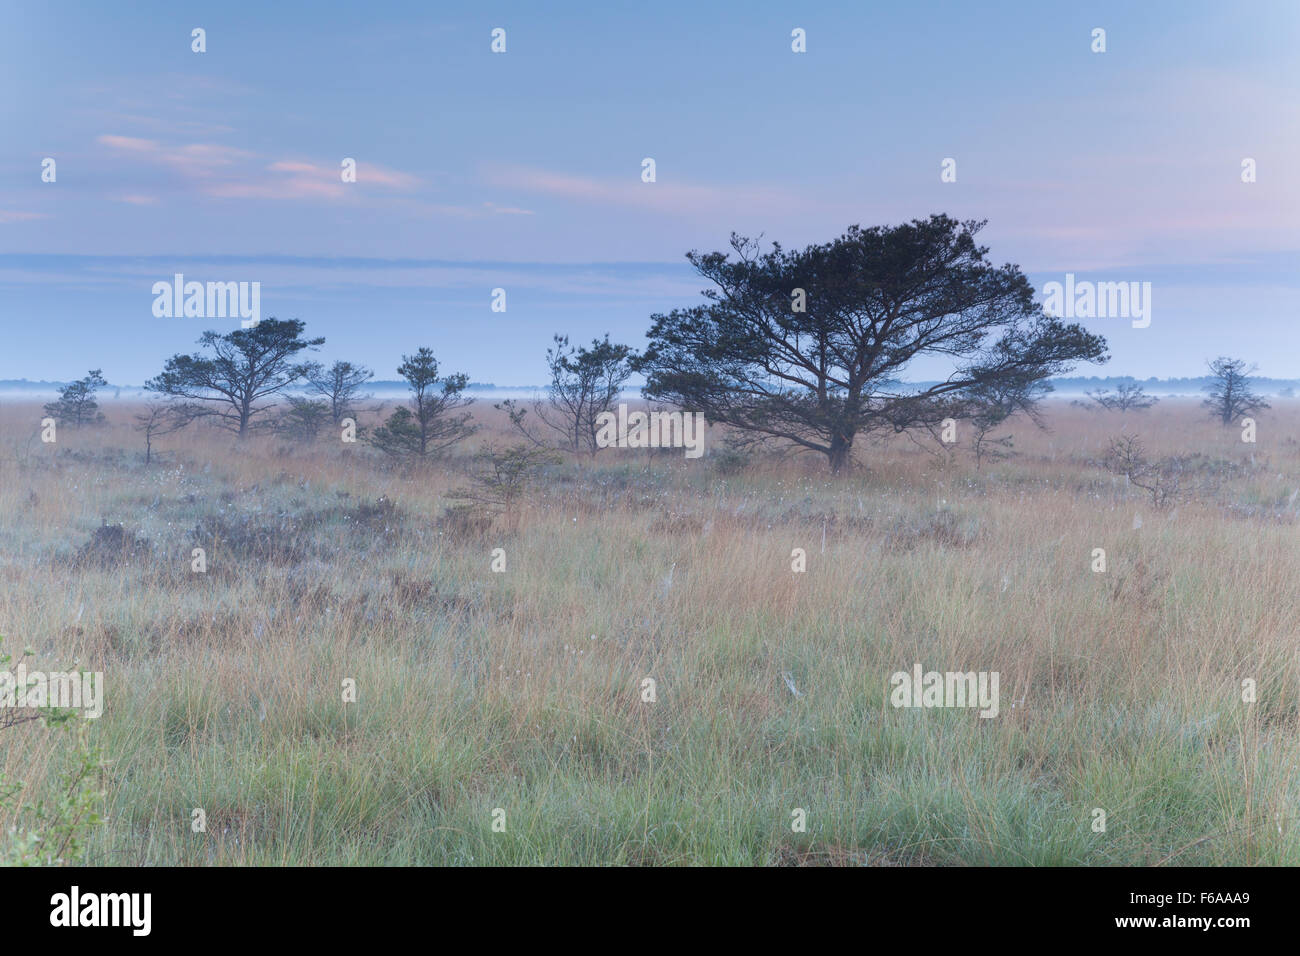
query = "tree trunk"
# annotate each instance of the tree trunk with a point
(841, 447)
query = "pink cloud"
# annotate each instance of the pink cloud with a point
(370, 173)
(293, 188)
(205, 154)
(195, 159)
(130, 143)
(303, 180)
(229, 173)
(288, 167)
(367, 173)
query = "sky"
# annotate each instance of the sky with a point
(522, 170)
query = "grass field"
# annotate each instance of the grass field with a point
(1121, 691)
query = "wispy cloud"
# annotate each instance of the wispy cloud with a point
(196, 160)
(131, 143)
(230, 173)
(507, 210)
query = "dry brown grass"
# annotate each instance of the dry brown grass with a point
(522, 690)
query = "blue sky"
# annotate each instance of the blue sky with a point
(522, 170)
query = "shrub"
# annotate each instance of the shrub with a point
(60, 824)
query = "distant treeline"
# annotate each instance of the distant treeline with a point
(1069, 385)
(1189, 386)
(382, 385)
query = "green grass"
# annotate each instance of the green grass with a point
(479, 691)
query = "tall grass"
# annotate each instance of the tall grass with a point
(522, 691)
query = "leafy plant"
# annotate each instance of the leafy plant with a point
(501, 478)
(63, 822)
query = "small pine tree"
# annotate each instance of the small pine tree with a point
(427, 426)
(303, 419)
(76, 405)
